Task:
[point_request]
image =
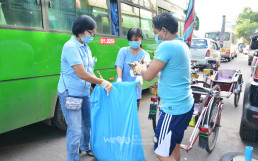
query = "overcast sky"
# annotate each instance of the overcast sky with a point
(210, 12)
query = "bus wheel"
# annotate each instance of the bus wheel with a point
(59, 120)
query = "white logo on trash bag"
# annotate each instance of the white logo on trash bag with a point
(135, 139)
(119, 139)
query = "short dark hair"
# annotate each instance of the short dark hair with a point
(83, 23)
(167, 21)
(134, 31)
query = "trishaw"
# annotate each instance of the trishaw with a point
(206, 117)
(230, 81)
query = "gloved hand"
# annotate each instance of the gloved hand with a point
(139, 79)
(137, 68)
(107, 86)
(119, 80)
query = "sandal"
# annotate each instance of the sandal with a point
(89, 153)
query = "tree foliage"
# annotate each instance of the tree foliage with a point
(246, 24)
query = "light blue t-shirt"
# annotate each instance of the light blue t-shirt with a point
(75, 53)
(124, 56)
(174, 82)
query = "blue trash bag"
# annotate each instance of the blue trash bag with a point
(115, 129)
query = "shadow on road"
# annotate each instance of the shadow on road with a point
(31, 133)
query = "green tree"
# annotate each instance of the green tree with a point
(246, 24)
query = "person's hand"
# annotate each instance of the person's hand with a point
(138, 68)
(119, 80)
(139, 79)
(107, 86)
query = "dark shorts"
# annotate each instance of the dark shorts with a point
(170, 131)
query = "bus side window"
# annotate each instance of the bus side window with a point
(130, 17)
(61, 14)
(150, 4)
(181, 25)
(21, 13)
(2, 18)
(146, 23)
(99, 11)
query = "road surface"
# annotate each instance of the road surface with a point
(40, 142)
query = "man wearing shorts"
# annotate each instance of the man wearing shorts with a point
(172, 60)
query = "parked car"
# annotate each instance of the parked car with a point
(246, 48)
(252, 48)
(204, 49)
(254, 61)
(249, 121)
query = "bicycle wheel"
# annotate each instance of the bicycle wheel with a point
(213, 119)
(205, 141)
(239, 89)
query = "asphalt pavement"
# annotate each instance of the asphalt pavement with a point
(40, 142)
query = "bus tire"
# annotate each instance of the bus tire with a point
(59, 120)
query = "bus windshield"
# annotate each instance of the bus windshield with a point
(215, 36)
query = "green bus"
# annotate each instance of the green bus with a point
(33, 33)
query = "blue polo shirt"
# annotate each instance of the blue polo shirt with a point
(75, 53)
(174, 82)
(124, 56)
